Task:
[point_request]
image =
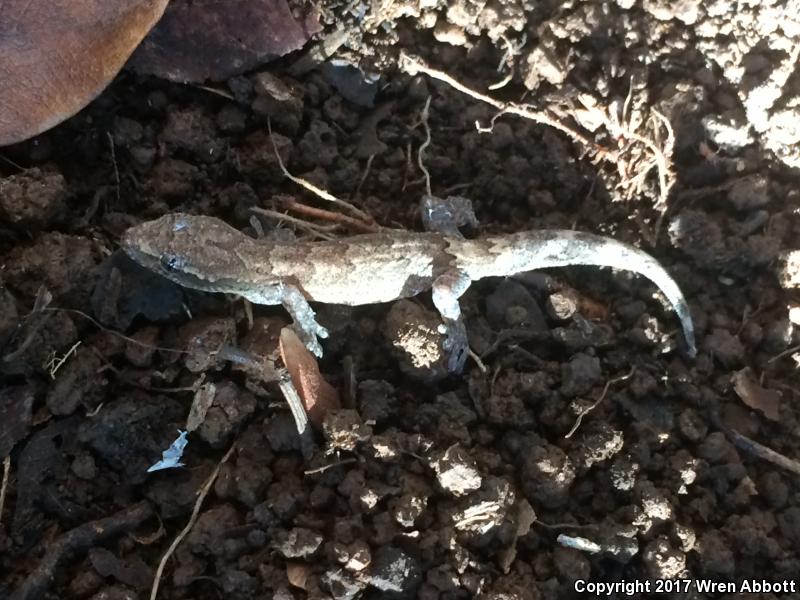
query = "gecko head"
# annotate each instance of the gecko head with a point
(184, 248)
(159, 245)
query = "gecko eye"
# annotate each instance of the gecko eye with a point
(171, 262)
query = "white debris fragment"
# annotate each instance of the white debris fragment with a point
(579, 543)
(789, 269)
(170, 458)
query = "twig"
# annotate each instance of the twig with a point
(311, 187)
(478, 361)
(412, 66)
(4, 485)
(592, 406)
(114, 163)
(761, 451)
(76, 542)
(311, 228)
(216, 91)
(786, 352)
(13, 164)
(206, 487)
(327, 215)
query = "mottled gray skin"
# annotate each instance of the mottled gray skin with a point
(205, 253)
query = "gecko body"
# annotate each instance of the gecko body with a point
(205, 253)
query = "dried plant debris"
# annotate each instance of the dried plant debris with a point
(319, 396)
(213, 41)
(754, 395)
(171, 457)
(55, 57)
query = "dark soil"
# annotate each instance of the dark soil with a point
(423, 486)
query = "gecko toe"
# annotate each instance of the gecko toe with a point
(310, 339)
(315, 348)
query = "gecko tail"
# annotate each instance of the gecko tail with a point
(528, 251)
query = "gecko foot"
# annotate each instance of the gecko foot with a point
(310, 337)
(456, 344)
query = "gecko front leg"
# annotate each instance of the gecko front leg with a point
(292, 299)
(446, 290)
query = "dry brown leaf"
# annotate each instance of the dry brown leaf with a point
(215, 40)
(755, 396)
(56, 56)
(319, 397)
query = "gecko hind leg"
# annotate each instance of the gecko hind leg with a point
(447, 289)
(305, 321)
(292, 299)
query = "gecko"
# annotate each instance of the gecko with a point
(207, 254)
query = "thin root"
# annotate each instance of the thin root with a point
(594, 405)
(512, 50)
(55, 364)
(483, 368)
(786, 352)
(636, 157)
(412, 66)
(423, 119)
(327, 215)
(206, 487)
(314, 189)
(114, 163)
(323, 468)
(97, 324)
(315, 230)
(363, 179)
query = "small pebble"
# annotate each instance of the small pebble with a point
(456, 471)
(298, 542)
(394, 572)
(561, 306)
